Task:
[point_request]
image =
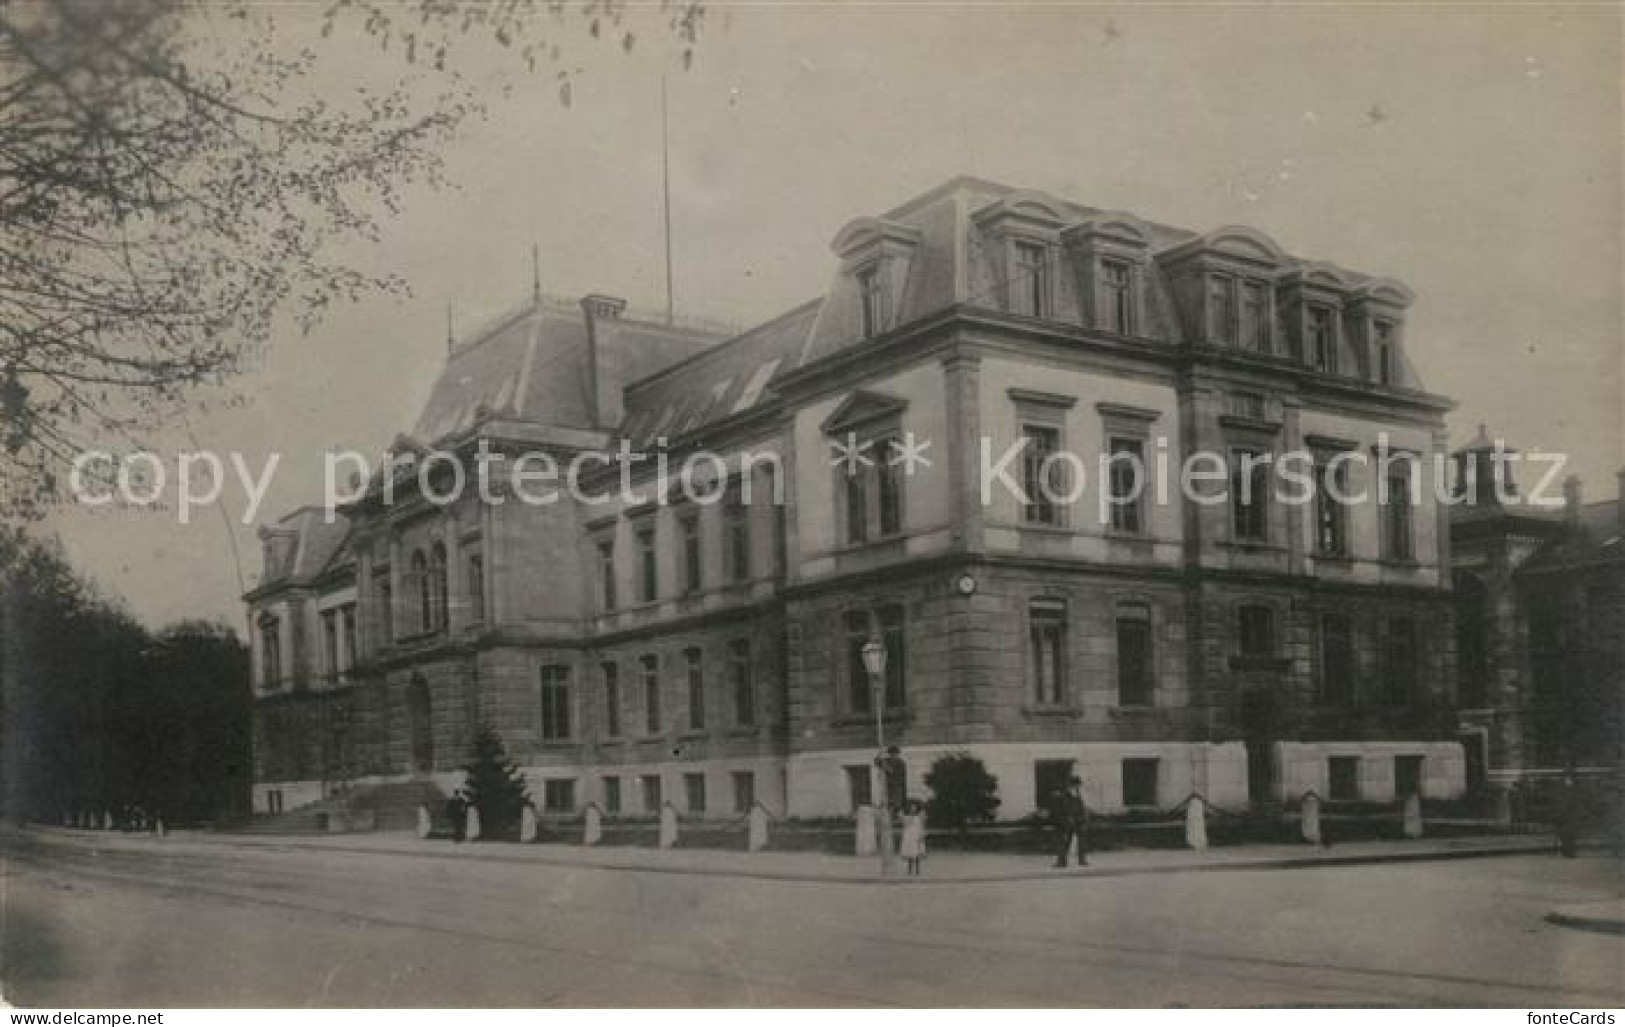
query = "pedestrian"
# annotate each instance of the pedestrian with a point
(457, 813)
(1568, 817)
(1072, 816)
(912, 847)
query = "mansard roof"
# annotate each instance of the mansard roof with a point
(318, 547)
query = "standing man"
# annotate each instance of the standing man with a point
(457, 813)
(1072, 816)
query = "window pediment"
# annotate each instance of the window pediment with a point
(867, 239)
(862, 409)
(1231, 244)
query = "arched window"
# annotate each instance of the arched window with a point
(438, 595)
(420, 580)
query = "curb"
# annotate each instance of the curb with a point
(1046, 874)
(1591, 918)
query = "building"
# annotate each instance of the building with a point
(1052, 620)
(1540, 594)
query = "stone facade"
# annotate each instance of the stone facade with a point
(1184, 648)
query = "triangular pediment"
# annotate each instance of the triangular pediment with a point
(861, 408)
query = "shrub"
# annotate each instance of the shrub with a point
(962, 791)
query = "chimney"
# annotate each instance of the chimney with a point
(1571, 500)
(596, 308)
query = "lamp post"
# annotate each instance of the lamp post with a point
(874, 661)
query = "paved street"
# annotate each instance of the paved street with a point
(142, 924)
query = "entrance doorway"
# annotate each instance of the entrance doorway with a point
(1261, 729)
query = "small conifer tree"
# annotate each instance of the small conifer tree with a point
(494, 786)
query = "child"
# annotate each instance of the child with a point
(912, 847)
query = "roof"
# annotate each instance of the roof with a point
(531, 365)
(1596, 537)
(319, 545)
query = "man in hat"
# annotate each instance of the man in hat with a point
(1072, 816)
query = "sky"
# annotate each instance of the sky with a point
(1471, 151)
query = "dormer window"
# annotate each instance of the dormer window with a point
(1221, 308)
(1028, 290)
(1117, 297)
(870, 300)
(1383, 357)
(1322, 339)
(1255, 319)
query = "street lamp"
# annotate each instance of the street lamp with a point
(874, 661)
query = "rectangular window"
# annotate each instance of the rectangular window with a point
(648, 565)
(892, 634)
(386, 608)
(1124, 483)
(856, 480)
(476, 589)
(1140, 783)
(694, 672)
(859, 786)
(347, 630)
(1399, 661)
(1247, 404)
(1407, 776)
(1384, 357)
(653, 722)
(1040, 475)
(1256, 630)
(694, 792)
(1050, 781)
(612, 795)
(559, 796)
(869, 302)
(555, 703)
(1343, 776)
(612, 699)
(330, 642)
(1336, 660)
(688, 527)
(1046, 638)
(1331, 512)
(888, 486)
(1249, 495)
(1255, 317)
(742, 682)
(1322, 339)
(1117, 297)
(1135, 679)
(736, 533)
(744, 790)
(271, 652)
(859, 697)
(1028, 289)
(606, 574)
(1221, 309)
(652, 797)
(1397, 514)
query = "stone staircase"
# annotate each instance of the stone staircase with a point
(380, 807)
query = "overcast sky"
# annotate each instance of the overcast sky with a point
(1473, 153)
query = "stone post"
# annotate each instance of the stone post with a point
(473, 821)
(527, 823)
(1311, 818)
(1196, 823)
(864, 823)
(756, 840)
(1413, 816)
(425, 822)
(158, 826)
(107, 820)
(592, 825)
(1501, 806)
(668, 826)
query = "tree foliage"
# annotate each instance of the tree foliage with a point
(963, 792)
(494, 786)
(174, 174)
(97, 713)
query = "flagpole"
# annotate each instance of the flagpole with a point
(665, 191)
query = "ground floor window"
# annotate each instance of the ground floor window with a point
(273, 801)
(1343, 774)
(859, 786)
(612, 795)
(1050, 778)
(559, 796)
(651, 793)
(1407, 776)
(744, 791)
(694, 792)
(1140, 782)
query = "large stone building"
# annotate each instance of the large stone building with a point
(1540, 622)
(634, 651)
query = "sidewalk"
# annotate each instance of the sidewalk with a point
(940, 868)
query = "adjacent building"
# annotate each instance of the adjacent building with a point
(912, 457)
